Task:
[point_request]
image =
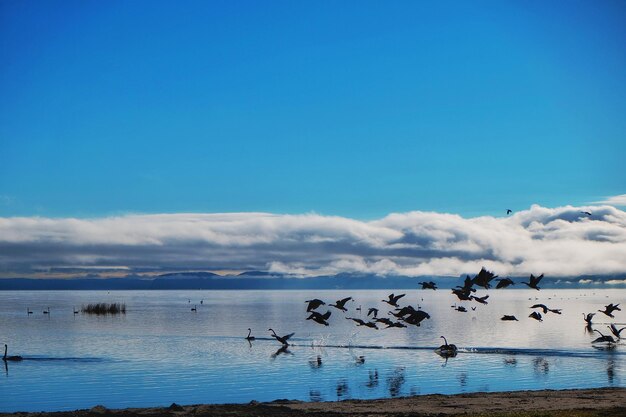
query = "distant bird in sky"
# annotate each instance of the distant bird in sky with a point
(588, 318)
(15, 358)
(509, 211)
(313, 304)
(340, 304)
(534, 281)
(546, 309)
(603, 338)
(372, 311)
(509, 318)
(430, 285)
(282, 339)
(504, 282)
(588, 213)
(393, 299)
(416, 317)
(249, 336)
(615, 330)
(319, 318)
(461, 309)
(535, 315)
(608, 310)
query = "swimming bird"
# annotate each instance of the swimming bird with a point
(534, 281)
(588, 318)
(75, 311)
(484, 278)
(603, 338)
(249, 336)
(28, 311)
(313, 304)
(10, 358)
(340, 304)
(360, 322)
(319, 318)
(535, 315)
(546, 309)
(608, 310)
(393, 299)
(446, 349)
(281, 339)
(504, 282)
(194, 308)
(47, 311)
(372, 311)
(509, 318)
(615, 331)
(428, 285)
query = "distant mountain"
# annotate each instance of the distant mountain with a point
(260, 280)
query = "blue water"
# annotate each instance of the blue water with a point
(161, 352)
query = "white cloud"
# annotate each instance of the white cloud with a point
(616, 282)
(556, 241)
(617, 200)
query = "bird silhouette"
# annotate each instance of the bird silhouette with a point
(281, 339)
(504, 282)
(588, 318)
(546, 309)
(509, 318)
(313, 304)
(194, 308)
(430, 285)
(446, 349)
(340, 304)
(588, 213)
(608, 310)
(482, 300)
(509, 211)
(28, 311)
(10, 358)
(615, 331)
(603, 338)
(47, 311)
(373, 312)
(319, 318)
(534, 281)
(360, 322)
(535, 315)
(484, 278)
(249, 336)
(393, 299)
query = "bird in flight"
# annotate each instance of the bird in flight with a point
(509, 211)
(535, 315)
(372, 312)
(608, 310)
(313, 304)
(319, 318)
(340, 304)
(588, 213)
(393, 299)
(546, 309)
(534, 281)
(509, 318)
(281, 339)
(504, 282)
(428, 285)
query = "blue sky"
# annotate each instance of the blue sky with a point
(357, 109)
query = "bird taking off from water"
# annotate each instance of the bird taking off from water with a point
(534, 281)
(281, 339)
(603, 338)
(615, 330)
(588, 317)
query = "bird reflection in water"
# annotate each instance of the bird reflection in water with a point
(373, 379)
(395, 381)
(342, 388)
(315, 396)
(510, 362)
(316, 363)
(284, 350)
(463, 379)
(541, 366)
(610, 371)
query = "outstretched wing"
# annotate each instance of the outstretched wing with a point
(287, 337)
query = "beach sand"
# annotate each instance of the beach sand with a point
(587, 402)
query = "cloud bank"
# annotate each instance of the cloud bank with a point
(617, 200)
(559, 241)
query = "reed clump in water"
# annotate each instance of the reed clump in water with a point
(104, 308)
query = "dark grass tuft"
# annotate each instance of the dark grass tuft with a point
(104, 308)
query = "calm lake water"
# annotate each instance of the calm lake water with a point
(161, 352)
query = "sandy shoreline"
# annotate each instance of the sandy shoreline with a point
(610, 400)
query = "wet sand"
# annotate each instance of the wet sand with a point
(586, 402)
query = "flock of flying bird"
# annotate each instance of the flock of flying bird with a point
(402, 316)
